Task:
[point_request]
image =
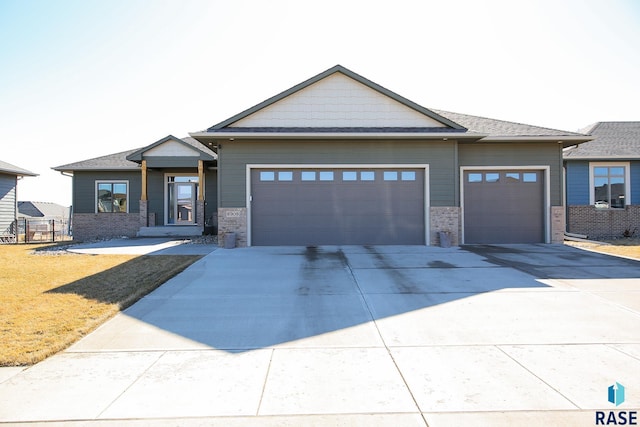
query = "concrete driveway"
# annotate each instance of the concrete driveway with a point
(370, 336)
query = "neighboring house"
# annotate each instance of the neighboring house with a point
(45, 217)
(166, 188)
(338, 159)
(43, 210)
(9, 175)
(603, 182)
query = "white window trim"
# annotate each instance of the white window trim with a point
(425, 167)
(627, 180)
(546, 170)
(108, 181)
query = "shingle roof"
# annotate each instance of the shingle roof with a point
(118, 161)
(613, 140)
(494, 128)
(14, 170)
(42, 210)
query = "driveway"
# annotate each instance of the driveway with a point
(493, 335)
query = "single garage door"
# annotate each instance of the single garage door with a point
(504, 206)
(338, 206)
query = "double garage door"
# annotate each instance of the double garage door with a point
(338, 206)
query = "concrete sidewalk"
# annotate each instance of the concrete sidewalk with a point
(371, 336)
(144, 246)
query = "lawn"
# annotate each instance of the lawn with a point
(49, 300)
(623, 247)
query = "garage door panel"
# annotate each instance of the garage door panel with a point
(301, 212)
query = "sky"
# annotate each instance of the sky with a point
(86, 78)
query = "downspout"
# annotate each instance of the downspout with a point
(71, 210)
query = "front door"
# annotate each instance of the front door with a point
(181, 203)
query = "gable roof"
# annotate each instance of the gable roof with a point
(228, 125)
(10, 169)
(204, 152)
(121, 161)
(613, 140)
(448, 124)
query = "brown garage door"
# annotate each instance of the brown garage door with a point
(337, 206)
(504, 206)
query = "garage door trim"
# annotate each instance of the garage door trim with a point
(547, 192)
(250, 167)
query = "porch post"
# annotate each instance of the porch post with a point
(144, 180)
(200, 219)
(144, 209)
(201, 179)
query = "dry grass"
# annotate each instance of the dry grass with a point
(624, 247)
(50, 301)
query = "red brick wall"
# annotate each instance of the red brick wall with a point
(104, 225)
(603, 223)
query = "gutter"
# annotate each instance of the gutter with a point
(336, 135)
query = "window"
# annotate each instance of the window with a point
(285, 176)
(308, 176)
(267, 176)
(112, 196)
(390, 175)
(349, 176)
(326, 176)
(609, 185)
(408, 176)
(512, 176)
(529, 177)
(367, 176)
(492, 177)
(475, 177)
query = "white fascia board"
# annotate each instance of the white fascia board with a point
(336, 135)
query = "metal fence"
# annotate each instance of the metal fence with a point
(30, 230)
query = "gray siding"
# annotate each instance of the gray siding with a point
(155, 194)
(518, 154)
(235, 155)
(84, 189)
(7, 201)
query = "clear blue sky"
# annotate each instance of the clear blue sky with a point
(85, 78)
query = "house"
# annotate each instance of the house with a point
(166, 188)
(338, 159)
(9, 176)
(603, 182)
(43, 220)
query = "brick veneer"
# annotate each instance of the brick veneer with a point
(232, 220)
(603, 223)
(445, 219)
(91, 226)
(558, 225)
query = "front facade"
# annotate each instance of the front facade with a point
(339, 159)
(336, 159)
(166, 188)
(603, 182)
(9, 175)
